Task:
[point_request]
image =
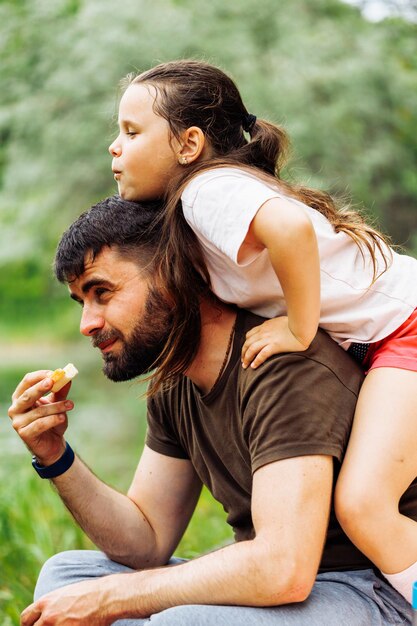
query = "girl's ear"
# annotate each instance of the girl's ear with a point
(193, 145)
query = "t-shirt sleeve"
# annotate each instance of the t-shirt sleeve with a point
(220, 205)
(298, 410)
(161, 435)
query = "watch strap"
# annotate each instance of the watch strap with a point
(57, 468)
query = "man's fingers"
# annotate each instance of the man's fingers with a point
(41, 426)
(63, 392)
(29, 380)
(29, 395)
(40, 413)
(30, 615)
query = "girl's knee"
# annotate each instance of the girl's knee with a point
(356, 506)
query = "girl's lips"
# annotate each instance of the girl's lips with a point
(117, 175)
(106, 346)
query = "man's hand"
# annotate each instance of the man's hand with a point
(39, 420)
(82, 604)
(272, 337)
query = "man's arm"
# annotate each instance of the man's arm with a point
(139, 530)
(142, 529)
(290, 508)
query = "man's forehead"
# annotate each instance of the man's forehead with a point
(110, 259)
(107, 266)
(104, 262)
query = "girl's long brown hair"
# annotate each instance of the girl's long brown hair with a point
(193, 93)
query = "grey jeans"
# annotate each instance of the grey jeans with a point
(353, 598)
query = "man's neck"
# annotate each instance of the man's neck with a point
(217, 322)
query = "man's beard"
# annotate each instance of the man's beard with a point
(144, 346)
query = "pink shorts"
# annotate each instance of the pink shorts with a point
(398, 350)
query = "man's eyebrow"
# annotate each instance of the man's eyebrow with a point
(94, 282)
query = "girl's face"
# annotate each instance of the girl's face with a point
(144, 158)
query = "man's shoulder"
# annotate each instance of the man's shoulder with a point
(324, 358)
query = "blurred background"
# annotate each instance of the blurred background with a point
(340, 76)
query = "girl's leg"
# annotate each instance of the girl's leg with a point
(380, 464)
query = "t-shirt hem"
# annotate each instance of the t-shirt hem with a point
(281, 455)
(166, 450)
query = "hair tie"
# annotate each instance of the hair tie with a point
(249, 122)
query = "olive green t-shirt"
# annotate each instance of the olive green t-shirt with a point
(295, 404)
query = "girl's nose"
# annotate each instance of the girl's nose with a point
(115, 149)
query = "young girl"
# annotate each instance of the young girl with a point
(285, 252)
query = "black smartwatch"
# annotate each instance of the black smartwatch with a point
(57, 468)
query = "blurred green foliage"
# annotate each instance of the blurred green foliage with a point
(344, 87)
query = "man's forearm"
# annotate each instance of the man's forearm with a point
(111, 520)
(243, 574)
(278, 566)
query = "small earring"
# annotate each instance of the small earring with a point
(183, 160)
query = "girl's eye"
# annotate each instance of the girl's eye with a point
(131, 133)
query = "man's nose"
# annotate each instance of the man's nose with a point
(114, 148)
(91, 322)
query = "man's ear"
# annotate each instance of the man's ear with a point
(194, 144)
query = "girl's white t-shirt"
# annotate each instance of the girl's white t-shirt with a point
(220, 204)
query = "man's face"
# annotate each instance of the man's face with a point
(124, 317)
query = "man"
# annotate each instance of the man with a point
(266, 442)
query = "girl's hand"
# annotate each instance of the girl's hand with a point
(271, 337)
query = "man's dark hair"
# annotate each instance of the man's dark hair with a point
(129, 226)
(134, 229)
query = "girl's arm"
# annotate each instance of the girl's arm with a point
(288, 235)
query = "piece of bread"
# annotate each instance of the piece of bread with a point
(62, 376)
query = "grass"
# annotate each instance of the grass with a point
(34, 525)
(107, 429)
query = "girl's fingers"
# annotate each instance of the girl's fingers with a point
(251, 352)
(259, 352)
(253, 331)
(262, 356)
(255, 343)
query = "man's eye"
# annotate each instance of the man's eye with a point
(100, 292)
